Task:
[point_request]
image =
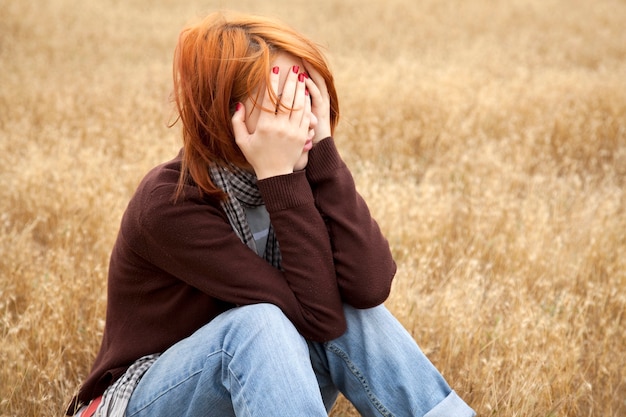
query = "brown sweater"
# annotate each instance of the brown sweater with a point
(175, 266)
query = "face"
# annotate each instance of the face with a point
(285, 62)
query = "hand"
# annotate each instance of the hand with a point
(279, 138)
(320, 102)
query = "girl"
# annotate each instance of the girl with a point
(248, 275)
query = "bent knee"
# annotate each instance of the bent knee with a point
(262, 319)
(354, 314)
(258, 313)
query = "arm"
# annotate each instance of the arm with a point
(194, 242)
(363, 261)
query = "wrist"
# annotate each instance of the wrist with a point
(320, 135)
(324, 160)
(268, 173)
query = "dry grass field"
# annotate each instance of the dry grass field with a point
(488, 137)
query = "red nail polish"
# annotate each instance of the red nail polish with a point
(301, 77)
(238, 106)
(306, 92)
(305, 75)
(296, 69)
(275, 70)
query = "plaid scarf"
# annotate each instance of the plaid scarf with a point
(242, 191)
(116, 397)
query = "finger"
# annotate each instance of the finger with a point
(317, 78)
(318, 90)
(289, 89)
(306, 119)
(314, 92)
(239, 123)
(320, 105)
(298, 109)
(270, 95)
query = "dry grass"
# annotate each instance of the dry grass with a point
(488, 137)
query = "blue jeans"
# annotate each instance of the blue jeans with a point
(251, 361)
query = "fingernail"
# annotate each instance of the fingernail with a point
(306, 92)
(305, 75)
(238, 106)
(301, 77)
(275, 70)
(296, 69)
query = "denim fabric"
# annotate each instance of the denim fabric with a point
(251, 361)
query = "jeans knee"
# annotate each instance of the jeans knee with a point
(375, 326)
(264, 321)
(374, 314)
(263, 313)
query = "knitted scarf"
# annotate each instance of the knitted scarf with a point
(242, 191)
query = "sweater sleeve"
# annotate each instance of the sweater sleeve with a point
(363, 262)
(193, 241)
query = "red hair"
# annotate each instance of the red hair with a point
(218, 62)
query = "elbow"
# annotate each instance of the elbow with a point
(324, 331)
(369, 299)
(371, 288)
(322, 323)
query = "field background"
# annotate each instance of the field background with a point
(488, 137)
